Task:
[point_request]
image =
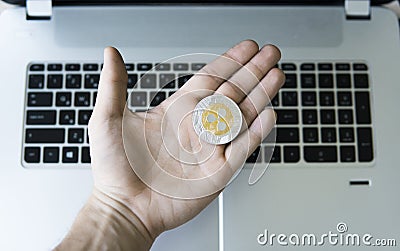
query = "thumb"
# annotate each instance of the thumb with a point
(111, 95)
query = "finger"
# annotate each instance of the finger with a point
(245, 79)
(211, 76)
(111, 95)
(262, 94)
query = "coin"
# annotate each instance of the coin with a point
(217, 119)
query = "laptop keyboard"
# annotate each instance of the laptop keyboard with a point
(324, 110)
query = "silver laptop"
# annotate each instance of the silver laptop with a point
(333, 180)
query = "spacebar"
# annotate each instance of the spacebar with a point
(45, 135)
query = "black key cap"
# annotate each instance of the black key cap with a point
(132, 80)
(346, 116)
(308, 99)
(363, 112)
(90, 67)
(181, 67)
(343, 81)
(325, 80)
(41, 117)
(275, 155)
(360, 67)
(307, 80)
(289, 98)
(197, 66)
(310, 135)
(37, 67)
(328, 135)
(275, 100)
(92, 81)
(49, 135)
(75, 135)
(54, 81)
(63, 99)
(307, 67)
(32, 154)
(255, 157)
(326, 99)
(139, 99)
(343, 67)
(347, 154)
(344, 99)
(183, 78)
(320, 153)
(82, 98)
(73, 81)
(129, 67)
(67, 117)
(167, 80)
(36, 81)
(70, 155)
(310, 117)
(346, 135)
(361, 81)
(364, 142)
(94, 98)
(156, 98)
(171, 93)
(291, 154)
(40, 98)
(163, 67)
(85, 155)
(148, 80)
(54, 67)
(51, 155)
(288, 67)
(327, 116)
(144, 67)
(287, 117)
(287, 135)
(84, 116)
(72, 67)
(325, 67)
(291, 81)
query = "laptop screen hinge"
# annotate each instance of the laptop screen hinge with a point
(38, 9)
(358, 9)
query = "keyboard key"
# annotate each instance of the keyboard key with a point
(67, 117)
(85, 155)
(55, 81)
(343, 81)
(70, 155)
(63, 99)
(40, 98)
(310, 117)
(82, 98)
(346, 134)
(288, 67)
(328, 135)
(327, 116)
(148, 80)
(255, 157)
(54, 67)
(272, 152)
(307, 67)
(36, 81)
(308, 99)
(363, 112)
(144, 67)
(325, 80)
(139, 99)
(37, 67)
(325, 67)
(75, 135)
(287, 117)
(92, 81)
(360, 67)
(163, 67)
(291, 154)
(347, 154)
(72, 67)
(364, 142)
(287, 135)
(181, 67)
(171, 93)
(326, 99)
(344, 99)
(307, 80)
(51, 155)
(183, 78)
(41, 117)
(73, 81)
(132, 80)
(197, 66)
(275, 100)
(310, 135)
(361, 81)
(90, 67)
(343, 67)
(32, 154)
(129, 67)
(346, 116)
(49, 135)
(320, 153)
(289, 98)
(156, 98)
(291, 81)
(167, 80)
(84, 116)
